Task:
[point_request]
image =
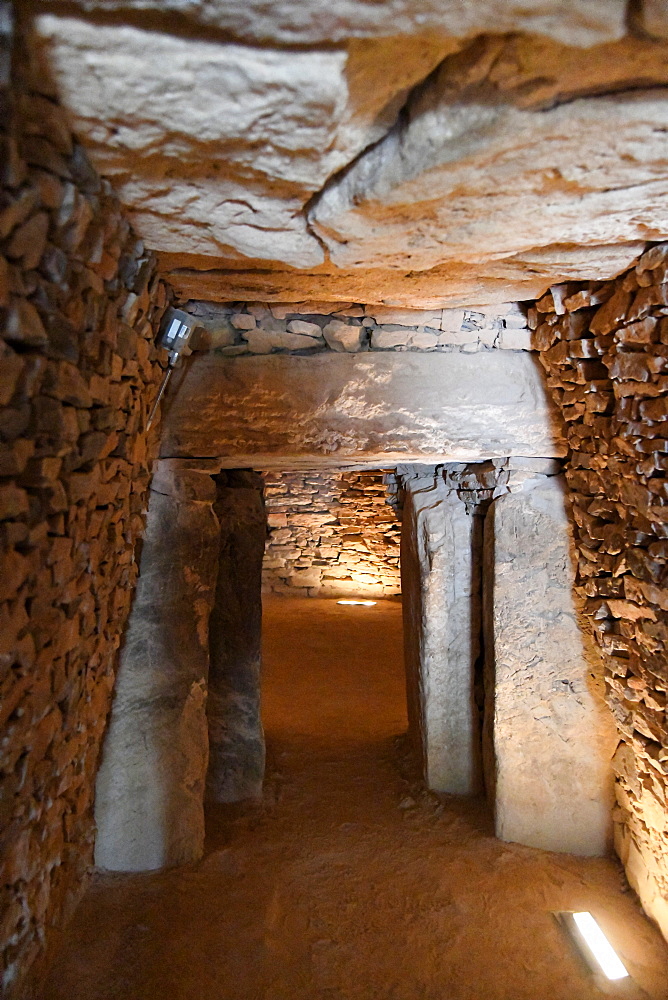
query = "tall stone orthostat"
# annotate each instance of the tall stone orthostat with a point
(549, 737)
(236, 737)
(439, 572)
(150, 786)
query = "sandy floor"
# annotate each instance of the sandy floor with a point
(348, 882)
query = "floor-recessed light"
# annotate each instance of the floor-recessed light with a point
(594, 945)
(366, 604)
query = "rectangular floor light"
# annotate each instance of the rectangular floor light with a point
(594, 945)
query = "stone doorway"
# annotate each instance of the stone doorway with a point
(186, 722)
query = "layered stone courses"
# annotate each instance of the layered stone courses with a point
(605, 349)
(330, 533)
(79, 308)
(312, 327)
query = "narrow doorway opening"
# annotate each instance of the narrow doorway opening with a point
(333, 683)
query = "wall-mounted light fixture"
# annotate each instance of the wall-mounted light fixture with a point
(175, 336)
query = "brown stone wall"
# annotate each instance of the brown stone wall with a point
(330, 533)
(605, 349)
(79, 307)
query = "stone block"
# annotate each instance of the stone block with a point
(343, 337)
(440, 573)
(549, 736)
(150, 786)
(366, 409)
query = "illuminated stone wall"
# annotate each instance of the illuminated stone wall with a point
(330, 533)
(605, 349)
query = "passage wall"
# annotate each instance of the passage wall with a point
(605, 348)
(79, 307)
(330, 533)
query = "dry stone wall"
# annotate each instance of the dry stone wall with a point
(330, 533)
(605, 349)
(79, 306)
(311, 327)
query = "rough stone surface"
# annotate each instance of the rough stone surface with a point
(384, 151)
(365, 409)
(315, 21)
(521, 276)
(441, 601)
(604, 350)
(287, 328)
(78, 374)
(265, 127)
(330, 534)
(552, 737)
(462, 165)
(236, 739)
(150, 785)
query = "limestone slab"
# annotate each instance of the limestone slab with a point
(150, 785)
(549, 735)
(318, 21)
(440, 573)
(445, 182)
(519, 277)
(215, 148)
(359, 409)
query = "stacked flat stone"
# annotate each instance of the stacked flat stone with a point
(605, 349)
(310, 328)
(331, 534)
(80, 304)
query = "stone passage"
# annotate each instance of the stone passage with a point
(331, 533)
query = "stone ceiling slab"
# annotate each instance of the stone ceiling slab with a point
(407, 153)
(525, 276)
(476, 179)
(282, 411)
(289, 22)
(216, 148)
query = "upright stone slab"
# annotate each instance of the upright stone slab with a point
(439, 576)
(150, 786)
(549, 737)
(236, 738)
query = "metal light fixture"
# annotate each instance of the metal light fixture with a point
(176, 334)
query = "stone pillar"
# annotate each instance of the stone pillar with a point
(549, 737)
(236, 738)
(150, 786)
(440, 586)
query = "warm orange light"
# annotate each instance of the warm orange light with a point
(366, 604)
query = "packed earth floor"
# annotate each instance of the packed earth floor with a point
(348, 882)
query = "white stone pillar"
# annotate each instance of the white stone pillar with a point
(150, 787)
(549, 736)
(440, 586)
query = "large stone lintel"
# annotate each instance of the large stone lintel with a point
(365, 410)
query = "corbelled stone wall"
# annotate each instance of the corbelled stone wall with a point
(605, 349)
(79, 306)
(330, 533)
